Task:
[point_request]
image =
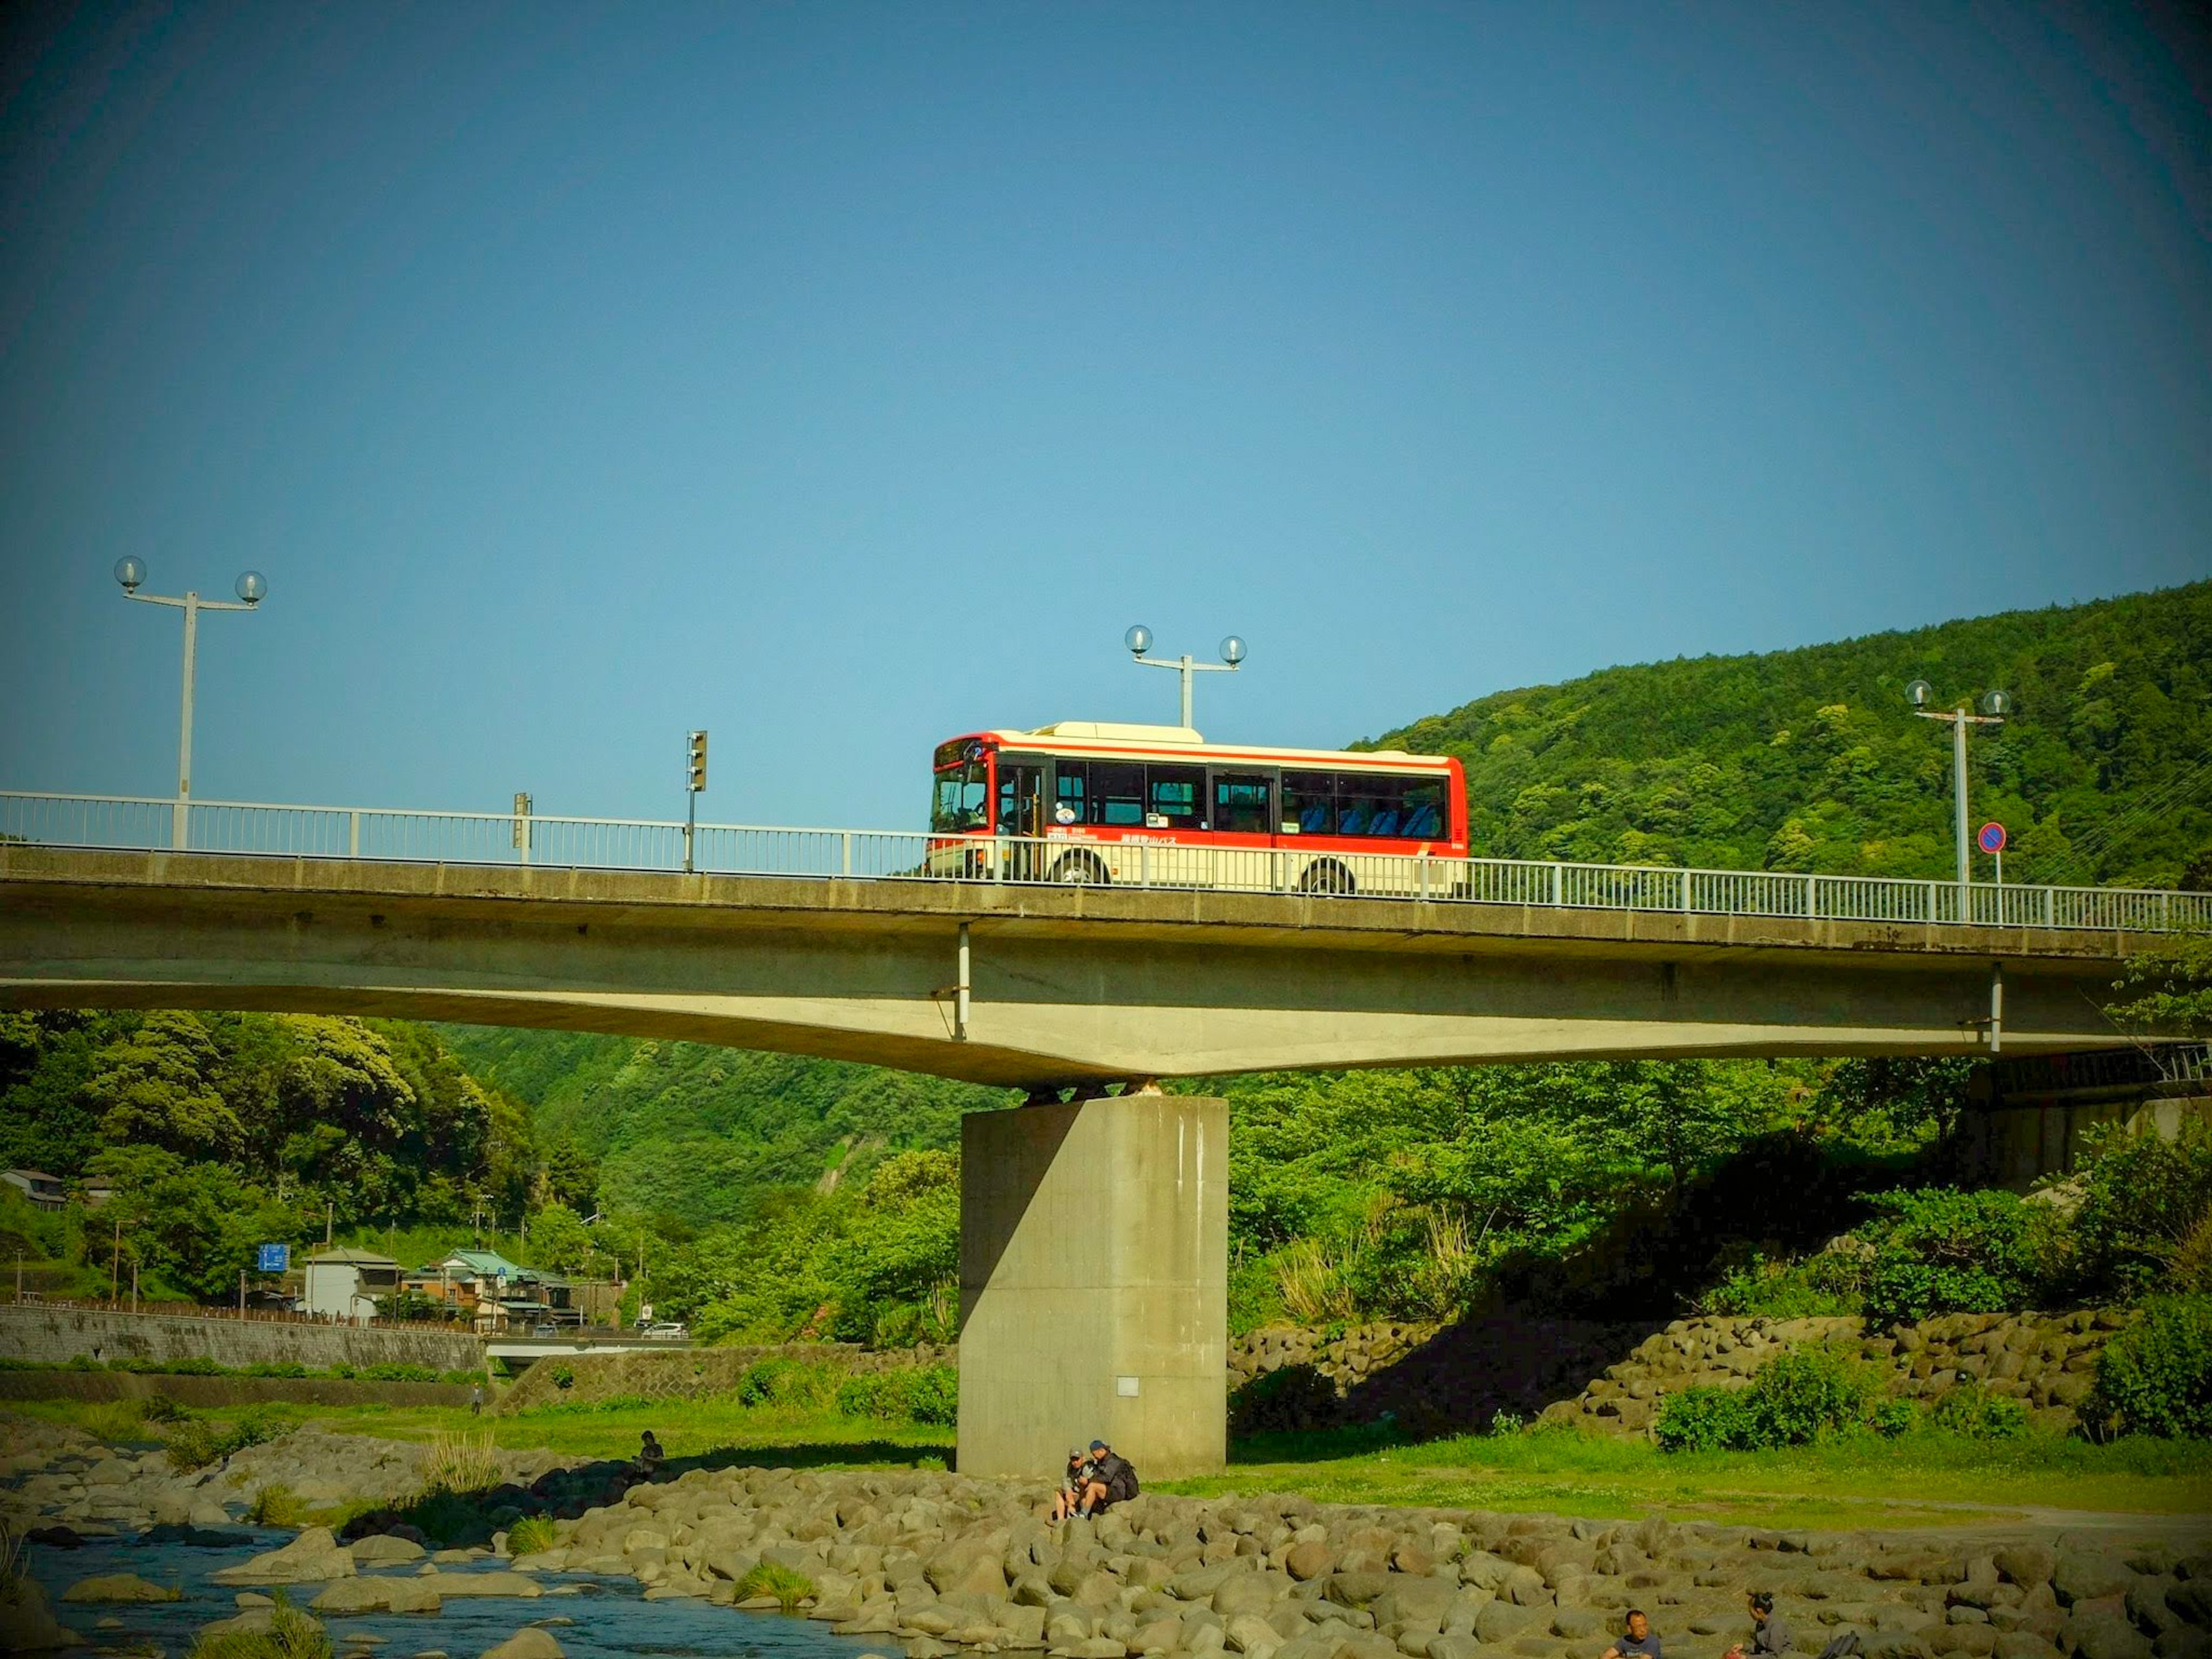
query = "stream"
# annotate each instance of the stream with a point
(588, 1616)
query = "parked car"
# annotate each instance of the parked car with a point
(546, 1327)
(668, 1329)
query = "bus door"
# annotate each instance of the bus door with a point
(1244, 805)
(1021, 811)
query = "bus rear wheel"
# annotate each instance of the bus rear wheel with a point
(1326, 877)
(1079, 869)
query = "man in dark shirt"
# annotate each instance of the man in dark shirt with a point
(1112, 1481)
(1637, 1642)
(1768, 1635)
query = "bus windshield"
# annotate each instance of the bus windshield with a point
(961, 797)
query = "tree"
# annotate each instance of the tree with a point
(559, 1241)
(349, 1109)
(572, 1175)
(156, 1086)
(195, 1224)
(2168, 987)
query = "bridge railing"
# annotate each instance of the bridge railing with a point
(385, 834)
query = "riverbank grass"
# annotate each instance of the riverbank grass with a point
(1927, 1477)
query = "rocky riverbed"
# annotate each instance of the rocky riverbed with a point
(924, 1564)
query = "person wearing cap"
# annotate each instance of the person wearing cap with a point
(1070, 1495)
(1111, 1480)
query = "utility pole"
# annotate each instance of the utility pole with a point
(241, 1293)
(330, 1219)
(1995, 705)
(115, 1265)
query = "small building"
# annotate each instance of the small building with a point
(97, 1190)
(41, 1188)
(339, 1283)
(480, 1281)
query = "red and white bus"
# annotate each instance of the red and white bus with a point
(1158, 805)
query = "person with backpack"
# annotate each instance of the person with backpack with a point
(1112, 1481)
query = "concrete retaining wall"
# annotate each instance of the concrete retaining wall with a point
(205, 1392)
(54, 1336)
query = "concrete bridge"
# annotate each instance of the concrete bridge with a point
(1035, 986)
(1077, 1316)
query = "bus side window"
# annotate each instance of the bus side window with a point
(1309, 802)
(1424, 812)
(1174, 793)
(1068, 792)
(1117, 793)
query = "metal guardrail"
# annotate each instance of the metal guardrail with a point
(158, 823)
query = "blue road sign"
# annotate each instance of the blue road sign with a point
(1992, 838)
(275, 1258)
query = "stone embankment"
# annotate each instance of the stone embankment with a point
(1430, 1378)
(690, 1373)
(2047, 1361)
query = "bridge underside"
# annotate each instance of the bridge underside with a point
(1066, 985)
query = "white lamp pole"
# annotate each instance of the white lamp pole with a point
(250, 590)
(1139, 640)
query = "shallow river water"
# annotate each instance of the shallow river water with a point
(609, 1616)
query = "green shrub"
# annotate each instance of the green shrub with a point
(903, 1394)
(276, 1368)
(277, 1506)
(1796, 1398)
(398, 1374)
(1703, 1419)
(783, 1382)
(159, 1408)
(2141, 1195)
(531, 1534)
(196, 1442)
(1782, 1290)
(1970, 1409)
(788, 1587)
(291, 1634)
(1891, 1418)
(1807, 1394)
(1940, 1250)
(2155, 1378)
(564, 1376)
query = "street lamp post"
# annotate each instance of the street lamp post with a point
(1995, 705)
(251, 589)
(1139, 640)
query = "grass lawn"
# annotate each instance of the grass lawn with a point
(687, 1428)
(1926, 1477)
(1923, 1478)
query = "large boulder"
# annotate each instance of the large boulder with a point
(382, 1549)
(452, 1584)
(30, 1627)
(312, 1557)
(379, 1594)
(2081, 1577)
(118, 1587)
(528, 1643)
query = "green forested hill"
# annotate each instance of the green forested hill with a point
(684, 1130)
(1811, 760)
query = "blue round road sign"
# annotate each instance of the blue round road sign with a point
(1992, 838)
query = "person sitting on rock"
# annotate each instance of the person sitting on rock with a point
(1636, 1641)
(1768, 1635)
(1069, 1497)
(649, 1456)
(1112, 1481)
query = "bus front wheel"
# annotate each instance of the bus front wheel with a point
(1327, 877)
(1079, 869)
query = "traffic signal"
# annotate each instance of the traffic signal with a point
(697, 779)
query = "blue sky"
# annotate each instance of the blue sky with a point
(842, 377)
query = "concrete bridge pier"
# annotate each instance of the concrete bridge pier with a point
(1094, 1284)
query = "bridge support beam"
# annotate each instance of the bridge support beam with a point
(1094, 1276)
